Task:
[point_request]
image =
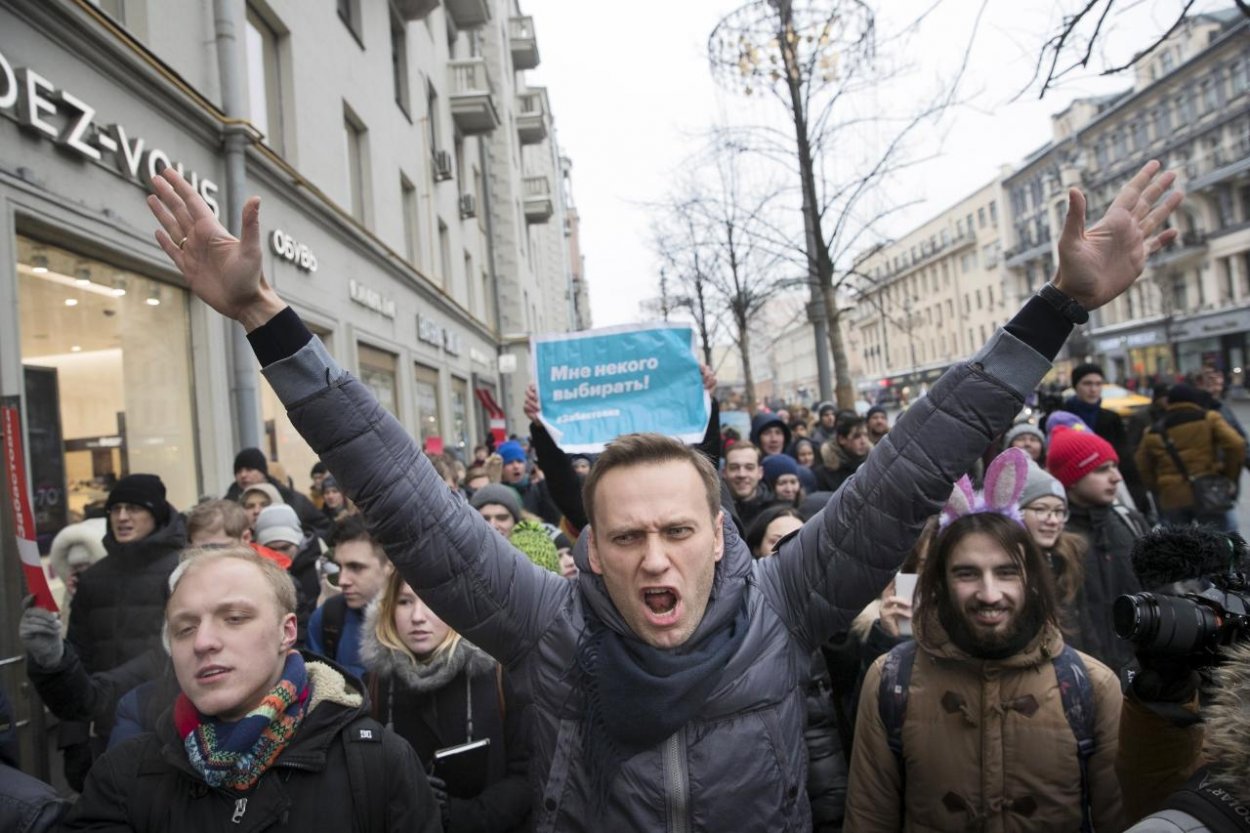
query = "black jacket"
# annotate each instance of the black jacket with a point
(303, 571)
(71, 693)
(826, 759)
(119, 607)
(310, 517)
(146, 783)
(27, 805)
(1110, 532)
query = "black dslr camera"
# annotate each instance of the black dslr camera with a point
(1186, 615)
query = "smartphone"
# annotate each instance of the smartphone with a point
(905, 588)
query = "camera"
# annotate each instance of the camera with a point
(1192, 618)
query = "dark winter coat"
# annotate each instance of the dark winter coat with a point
(1109, 532)
(71, 693)
(434, 718)
(826, 759)
(146, 784)
(119, 607)
(27, 805)
(834, 467)
(310, 517)
(740, 764)
(303, 571)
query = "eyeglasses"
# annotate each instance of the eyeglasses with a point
(1043, 513)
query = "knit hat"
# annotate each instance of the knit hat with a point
(1082, 370)
(1023, 428)
(144, 490)
(1074, 453)
(251, 458)
(330, 483)
(1040, 484)
(278, 523)
(499, 494)
(825, 406)
(268, 490)
(775, 465)
(1065, 419)
(875, 409)
(318, 468)
(531, 538)
(511, 452)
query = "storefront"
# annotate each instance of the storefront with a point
(1167, 349)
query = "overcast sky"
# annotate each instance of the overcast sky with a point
(632, 93)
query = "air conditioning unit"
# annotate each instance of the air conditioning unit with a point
(442, 166)
(468, 206)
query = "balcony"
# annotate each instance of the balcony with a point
(414, 9)
(531, 116)
(472, 105)
(1185, 251)
(524, 44)
(538, 203)
(467, 14)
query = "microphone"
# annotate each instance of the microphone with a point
(1168, 554)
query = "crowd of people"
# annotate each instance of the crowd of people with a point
(822, 626)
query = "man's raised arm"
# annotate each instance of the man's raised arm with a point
(845, 555)
(468, 574)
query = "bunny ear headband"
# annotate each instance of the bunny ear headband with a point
(1004, 483)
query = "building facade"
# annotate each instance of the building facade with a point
(413, 212)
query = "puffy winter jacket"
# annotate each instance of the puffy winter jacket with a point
(986, 745)
(1205, 443)
(146, 784)
(741, 764)
(1109, 533)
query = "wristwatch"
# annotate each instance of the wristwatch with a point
(1063, 304)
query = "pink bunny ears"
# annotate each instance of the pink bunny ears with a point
(1004, 483)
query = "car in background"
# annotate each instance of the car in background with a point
(1119, 400)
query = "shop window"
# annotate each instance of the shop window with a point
(106, 356)
(427, 403)
(460, 434)
(377, 371)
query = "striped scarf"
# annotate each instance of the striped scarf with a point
(235, 754)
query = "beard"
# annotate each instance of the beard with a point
(992, 644)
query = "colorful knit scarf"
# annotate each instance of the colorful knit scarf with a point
(235, 754)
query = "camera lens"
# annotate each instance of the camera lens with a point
(1164, 624)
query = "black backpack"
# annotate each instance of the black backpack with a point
(1215, 807)
(333, 616)
(1075, 689)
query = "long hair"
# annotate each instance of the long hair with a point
(1014, 539)
(1067, 561)
(388, 635)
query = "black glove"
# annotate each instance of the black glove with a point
(1164, 679)
(439, 788)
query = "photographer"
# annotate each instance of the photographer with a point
(1180, 632)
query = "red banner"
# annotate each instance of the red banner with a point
(23, 517)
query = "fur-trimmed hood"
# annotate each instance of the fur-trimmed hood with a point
(1228, 724)
(84, 538)
(382, 661)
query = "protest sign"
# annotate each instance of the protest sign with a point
(596, 385)
(19, 500)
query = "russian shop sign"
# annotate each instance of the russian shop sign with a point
(596, 385)
(57, 114)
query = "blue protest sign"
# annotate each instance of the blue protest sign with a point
(596, 385)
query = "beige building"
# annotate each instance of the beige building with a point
(1189, 107)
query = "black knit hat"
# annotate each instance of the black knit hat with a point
(144, 490)
(1082, 370)
(319, 468)
(251, 458)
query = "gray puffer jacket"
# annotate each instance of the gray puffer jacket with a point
(741, 765)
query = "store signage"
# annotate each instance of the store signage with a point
(1211, 326)
(371, 298)
(1128, 342)
(286, 248)
(69, 121)
(431, 332)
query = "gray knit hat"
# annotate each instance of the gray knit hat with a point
(1040, 484)
(505, 496)
(1024, 428)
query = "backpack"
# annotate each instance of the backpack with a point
(1215, 807)
(1075, 689)
(333, 616)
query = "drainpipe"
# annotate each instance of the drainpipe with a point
(243, 391)
(490, 260)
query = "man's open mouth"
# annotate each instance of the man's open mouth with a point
(660, 600)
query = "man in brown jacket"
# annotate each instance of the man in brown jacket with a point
(977, 729)
(1206, 444)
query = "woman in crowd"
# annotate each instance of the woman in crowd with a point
(437, 690)
(781, 474)
(256, 497)
(1044, 508)
(1029, 437)
(803, 450)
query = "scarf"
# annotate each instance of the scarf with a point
(236, 754)
(1088, 412)
(636, 696)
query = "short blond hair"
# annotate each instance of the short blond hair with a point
(386, 632)
(212, 515)
(278, 579)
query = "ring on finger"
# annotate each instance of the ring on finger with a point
(182, 242)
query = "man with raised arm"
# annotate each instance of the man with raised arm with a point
(667, 683)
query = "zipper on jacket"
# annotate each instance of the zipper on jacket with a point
(677, 782)
(240, 807)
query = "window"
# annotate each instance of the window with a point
(412, 227)
(115, 9)
(349, 13)
(428, 421)
(1237, 76)
(1166, 62)
(376, 369)
(994, 213)
(1100, 154)
(399, 62)
(357, 152)
(459, 433)
(444, 253)
(979, 299)
(431, 106)
(981, 217)
(959, 228)
(488, 300)
(264, 78)
(468, 281)
(1141, 136)
(1211, 98)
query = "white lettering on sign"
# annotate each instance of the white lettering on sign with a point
(431, 332)
(286, 248)
(70, 122)
(371, 298)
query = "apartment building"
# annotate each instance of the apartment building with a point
(1189, 107)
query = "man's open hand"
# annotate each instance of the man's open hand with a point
(223, 271)
(1099, 263)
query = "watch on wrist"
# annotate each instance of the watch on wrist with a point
(1063, 304)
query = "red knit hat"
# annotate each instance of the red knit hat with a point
(1076, 451)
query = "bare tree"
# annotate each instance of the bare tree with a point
(818, 59)
(681, 241)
